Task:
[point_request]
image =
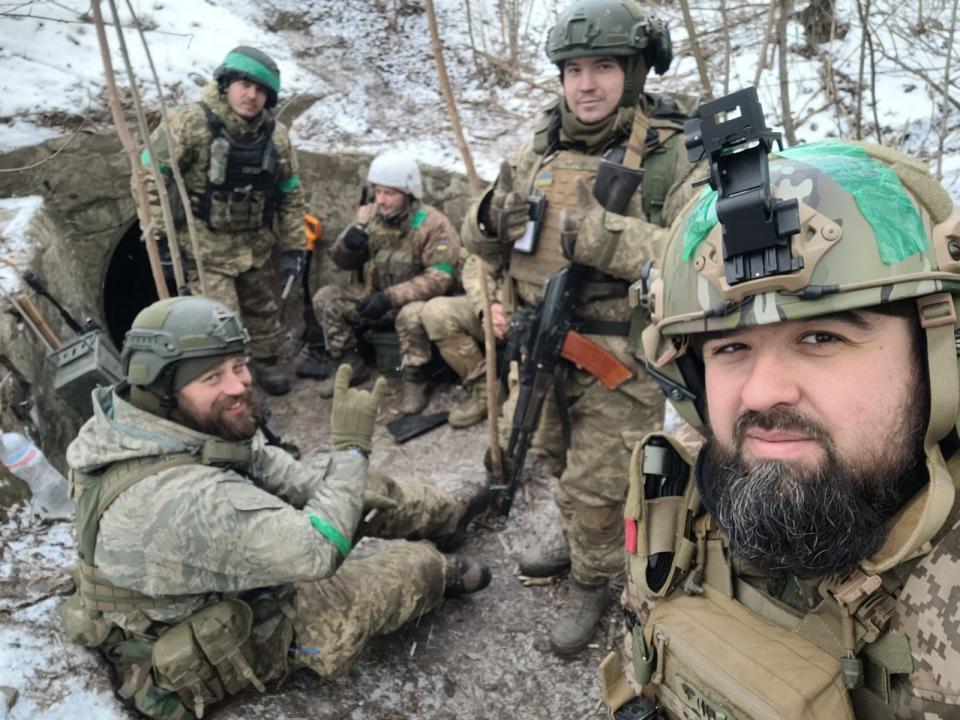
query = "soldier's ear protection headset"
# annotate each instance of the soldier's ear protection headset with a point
(658, 53)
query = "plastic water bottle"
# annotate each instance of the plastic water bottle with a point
(25, 460)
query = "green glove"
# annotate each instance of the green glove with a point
(354, 412)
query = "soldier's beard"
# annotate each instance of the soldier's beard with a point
(216, 422)
(788, 516)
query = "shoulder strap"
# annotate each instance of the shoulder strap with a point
(96, 591)
(213, 122)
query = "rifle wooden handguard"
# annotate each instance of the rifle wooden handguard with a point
(595, 359)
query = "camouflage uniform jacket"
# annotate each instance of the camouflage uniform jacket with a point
(638, 240)
(412, 258)
(913, 669)
(228, 253)
(197, 530)
(473, 265)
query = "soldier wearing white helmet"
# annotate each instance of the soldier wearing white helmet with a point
(407, 252)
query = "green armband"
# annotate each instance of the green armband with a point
(444, 268)
(145, 161)
(289, 184)
(331, 534)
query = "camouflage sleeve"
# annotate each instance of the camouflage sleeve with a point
(928, 613)
(180, 128)
(470, 279)
(621, 245)
(290, 198)
(438, 250)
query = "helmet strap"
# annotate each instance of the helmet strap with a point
(634, 78)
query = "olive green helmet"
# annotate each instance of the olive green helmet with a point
(174, 341)
(619, 28)
(250, 64)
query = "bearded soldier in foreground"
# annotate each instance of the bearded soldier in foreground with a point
(211, 563)
(540, 217)
(804, 563)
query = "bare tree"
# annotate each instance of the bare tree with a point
(762, 61)
(944, 128)
(444, 78)
(789, 130)
(696, 51)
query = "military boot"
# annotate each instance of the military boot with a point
(578, 618)
(270, 377)
(315, 364)
(464, 575)
(473, 409)
(549, 557)
(360, 374)
(415, 390)
(474, 502)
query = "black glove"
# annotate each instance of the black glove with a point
(356, 239)
(374, 306)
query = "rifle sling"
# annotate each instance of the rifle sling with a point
(595, 326)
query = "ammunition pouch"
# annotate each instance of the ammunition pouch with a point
(207, 656)
(393, 266)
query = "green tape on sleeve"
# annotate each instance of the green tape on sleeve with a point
(331, 534)
(145, 161)
(419, 216)
(444, 268)
(289, 184)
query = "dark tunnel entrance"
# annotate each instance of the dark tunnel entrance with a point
(127, 284)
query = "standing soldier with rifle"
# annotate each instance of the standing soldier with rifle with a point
(241, 173)
(604, 50)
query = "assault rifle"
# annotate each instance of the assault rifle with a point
(553, 337)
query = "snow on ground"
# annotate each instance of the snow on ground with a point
(16, 215)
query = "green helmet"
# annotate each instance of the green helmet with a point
(619, 28)
(875, 228)
(174, 341)
(253, 65)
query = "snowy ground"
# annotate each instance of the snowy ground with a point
(361, 74)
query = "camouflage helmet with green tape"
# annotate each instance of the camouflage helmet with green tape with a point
(618, 28)
(195, 332)
(875, 228)
(252, 65)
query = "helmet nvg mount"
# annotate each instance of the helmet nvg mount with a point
(396, 170)
(619, 28)
(176, 340)
(810, 231)
(250, 64)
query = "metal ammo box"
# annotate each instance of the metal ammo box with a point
(86, 362)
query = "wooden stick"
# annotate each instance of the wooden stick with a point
(28, 320)
(28, 308)
(490, 350)
(126, 139)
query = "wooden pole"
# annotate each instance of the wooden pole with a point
(126, 139)
(472, 177)
(490, 350)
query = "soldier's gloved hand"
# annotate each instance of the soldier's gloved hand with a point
(374, 306)
(356, 238)
(509, 210)
(354, 413)
(583, 236)
(291, 265)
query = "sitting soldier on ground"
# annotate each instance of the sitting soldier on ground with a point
(455, 325)
(408, 253)
(210, 562)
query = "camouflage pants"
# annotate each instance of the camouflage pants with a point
(336, 310)
(377, 594)
(451, 323)
(251, 294)
(604, 425)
